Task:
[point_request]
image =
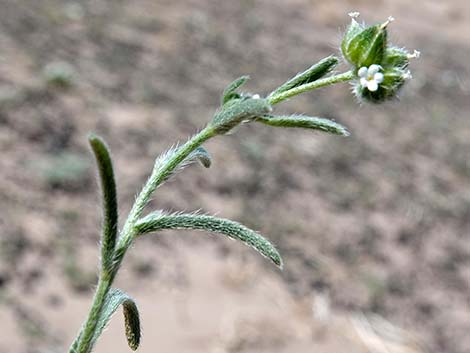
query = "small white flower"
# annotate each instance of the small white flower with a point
(416, 54)
(354, 14)
(407, 75)
(256, 96)
(370, 77)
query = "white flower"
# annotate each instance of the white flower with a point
(407, 75)
(416, 54)
(354, 14)
(370, 77)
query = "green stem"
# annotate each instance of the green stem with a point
(86, 336)
(159, 174)
(277, 98)
(82, 343)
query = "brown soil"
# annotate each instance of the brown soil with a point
(374, 229)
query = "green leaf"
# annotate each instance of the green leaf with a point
(74, 346)
(313, 73)
(132, 324)
(159, 221)
(230, 91)
(353, 30)
(202, 155)
(237, 111)
(110, 207)
(367, 47)
(113, 300)
(306, 122)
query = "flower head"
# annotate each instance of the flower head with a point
(380, 86)
(381, 69)
(370, 77)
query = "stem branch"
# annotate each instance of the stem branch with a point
(159, 174)
(277, 98)
(84, 341)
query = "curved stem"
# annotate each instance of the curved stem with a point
(159, 174)
(277, 98)
(82, 343)
(86, 335)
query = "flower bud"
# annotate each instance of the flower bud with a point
(380, 69)
(396, 57)
(364, 46)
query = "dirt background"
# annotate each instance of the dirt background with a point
(374, 228)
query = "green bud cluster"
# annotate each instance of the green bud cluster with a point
(381, 69)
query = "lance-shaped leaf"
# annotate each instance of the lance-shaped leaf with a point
(74, 346)
(114, 299)
(110, 210)
(313, 73)
(306, 122)
(159, 220)
(230, 91)
(237, 111)
(200, 154)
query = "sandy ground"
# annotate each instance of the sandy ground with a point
(374, 229)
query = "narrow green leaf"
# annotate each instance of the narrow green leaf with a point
(113, 300)
(230, 91)
(132, 324)
(202, 155)
(110, 207)
(237, 111)
(306, 122)
(313, 73)
(74, 346)
(158, 221)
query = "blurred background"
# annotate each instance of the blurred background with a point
(374, 228)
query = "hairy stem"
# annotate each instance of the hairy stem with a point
(159, 173)
(83, 342)
(85, 337)
(279, 97)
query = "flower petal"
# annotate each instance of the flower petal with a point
(373, 69)
(379, 77)
(372, 86)
(363, 81)
(362, 72)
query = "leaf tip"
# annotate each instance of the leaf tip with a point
(344, 132)
(277, 259)
(96, 142)
(132, 324)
